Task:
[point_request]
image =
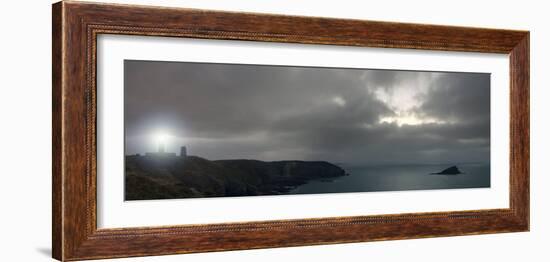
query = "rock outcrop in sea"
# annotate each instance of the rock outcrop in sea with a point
(449, 171)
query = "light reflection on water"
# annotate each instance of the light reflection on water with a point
(402, 177)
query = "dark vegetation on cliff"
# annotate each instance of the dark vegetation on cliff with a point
(190, 177)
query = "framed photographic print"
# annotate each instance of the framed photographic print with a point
(182, 130)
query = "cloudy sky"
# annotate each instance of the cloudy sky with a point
(355, 116)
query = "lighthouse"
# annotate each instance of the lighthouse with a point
(162, 148)
(183, 152)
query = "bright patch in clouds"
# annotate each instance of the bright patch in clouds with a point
(404, 99)
(339, 101)
(409, 119)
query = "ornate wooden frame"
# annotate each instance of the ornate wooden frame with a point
(76, 26)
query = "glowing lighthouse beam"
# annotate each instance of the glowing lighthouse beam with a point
(161, 139)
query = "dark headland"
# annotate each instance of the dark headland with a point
(169, 176)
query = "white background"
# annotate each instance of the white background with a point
(25, 156)
(113, 212)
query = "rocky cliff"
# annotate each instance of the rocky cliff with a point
(192, 176)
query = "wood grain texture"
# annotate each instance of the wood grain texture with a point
(76, 27)
(57, 202)
(519, 129)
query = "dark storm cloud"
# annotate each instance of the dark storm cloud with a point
(454, 96)
(274, 112)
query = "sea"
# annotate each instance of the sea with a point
(400, 177)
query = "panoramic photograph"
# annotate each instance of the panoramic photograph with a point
(197, 130)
